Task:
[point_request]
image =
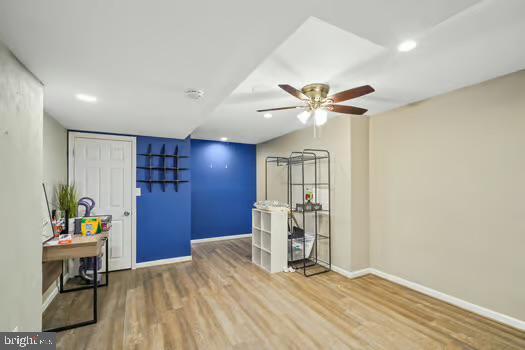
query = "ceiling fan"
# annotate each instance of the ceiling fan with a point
(318, 103)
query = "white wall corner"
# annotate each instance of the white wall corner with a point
(351, 274)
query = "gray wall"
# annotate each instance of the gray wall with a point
(54, 166)
(54, 155)
(447, 184)
(21, 109)
(360, 218)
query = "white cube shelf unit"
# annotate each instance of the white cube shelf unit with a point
(270, 239)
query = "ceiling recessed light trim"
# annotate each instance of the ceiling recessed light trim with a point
(86, 98)
(407, 45)
(194, 94)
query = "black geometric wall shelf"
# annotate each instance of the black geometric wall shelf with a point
(163, 170)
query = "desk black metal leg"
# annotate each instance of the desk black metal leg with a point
(95, 285)
(107, 261)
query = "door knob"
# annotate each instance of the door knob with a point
(126, 213)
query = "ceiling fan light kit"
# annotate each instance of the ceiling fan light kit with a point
(304, 116)
(320, 116)
(317, 102)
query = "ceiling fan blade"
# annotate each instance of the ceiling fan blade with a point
(293, 91)
(350, 94)
(278, 109)
(347, 109)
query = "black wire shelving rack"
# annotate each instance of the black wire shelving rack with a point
(162, 169)
(304, 171)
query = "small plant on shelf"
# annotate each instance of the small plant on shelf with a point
(67, 197)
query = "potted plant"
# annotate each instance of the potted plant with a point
(67, 197)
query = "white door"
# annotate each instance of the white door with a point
(102, 170)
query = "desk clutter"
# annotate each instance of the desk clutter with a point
(63, 226)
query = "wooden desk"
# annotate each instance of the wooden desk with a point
(81, 247)
(53, 256)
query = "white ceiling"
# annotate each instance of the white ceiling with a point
(316, 52)
(138, 57)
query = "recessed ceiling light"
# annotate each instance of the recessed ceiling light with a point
(86, 98)
(224, 139)
(267, 115)
(407, 45)
(194, 94)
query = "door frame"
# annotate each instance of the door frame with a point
(71, 135)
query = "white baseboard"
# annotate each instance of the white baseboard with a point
(163, 261)
(221, 238)
(480, 310)
(54, 292)
(50, 297)
(349, 274)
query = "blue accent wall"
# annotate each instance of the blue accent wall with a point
(216, 202)
(163, 218)
(223, 188)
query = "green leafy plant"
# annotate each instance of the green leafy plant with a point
(67, 197)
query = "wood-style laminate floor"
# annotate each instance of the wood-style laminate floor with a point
(221, 300)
